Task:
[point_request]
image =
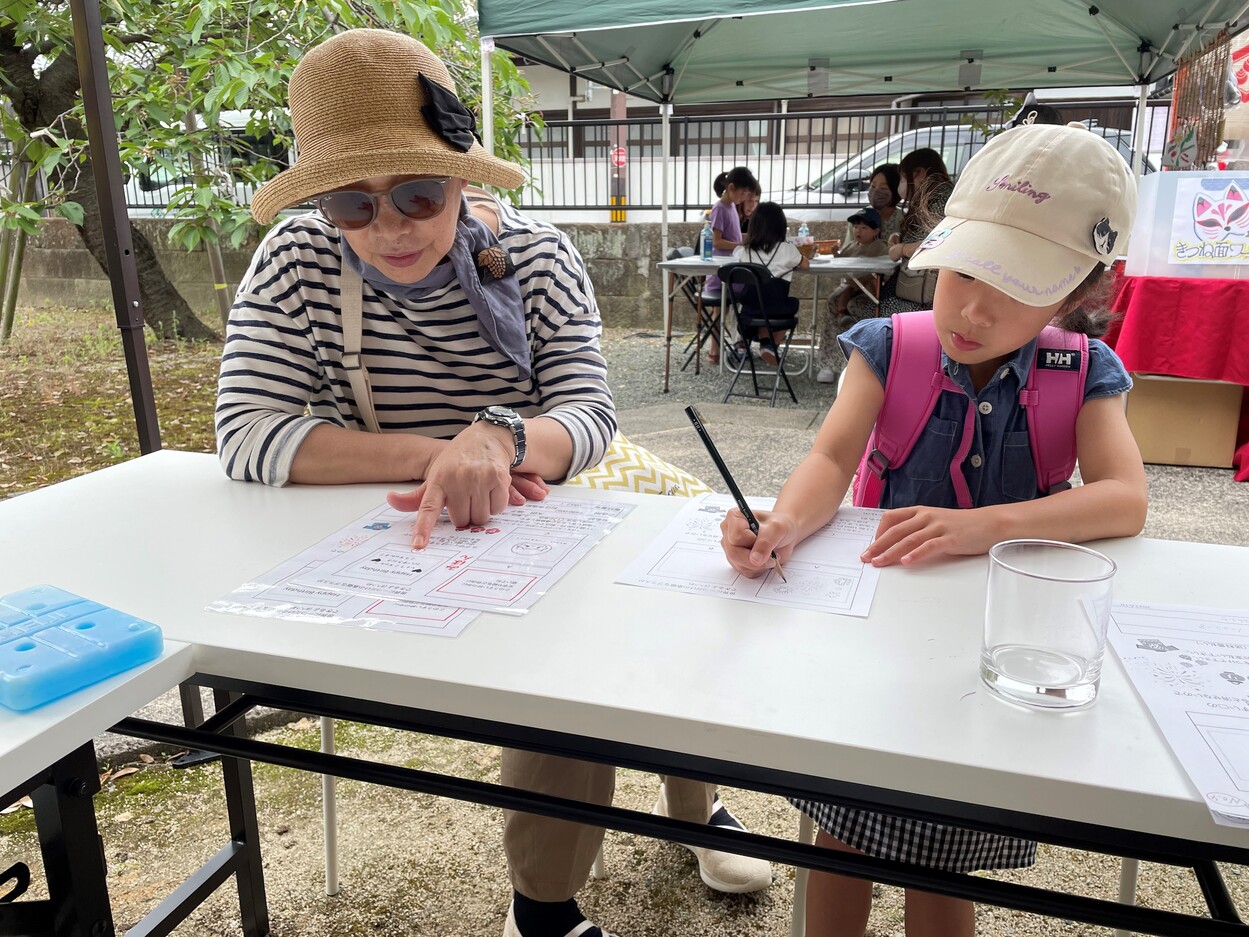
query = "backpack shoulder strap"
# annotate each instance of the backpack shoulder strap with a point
(912, 386)
(1052, 398)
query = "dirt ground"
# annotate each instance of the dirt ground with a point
(413, 864)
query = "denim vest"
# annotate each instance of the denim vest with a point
(998, 467)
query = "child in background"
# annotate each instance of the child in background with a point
(865, 228)
(732, 187)
(1017, 250)
(747, 208)
(766, 244)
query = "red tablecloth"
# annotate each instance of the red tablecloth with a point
(1191, 328)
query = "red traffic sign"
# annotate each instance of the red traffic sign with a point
(619, 157)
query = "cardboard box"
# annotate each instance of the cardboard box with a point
(1177, 421)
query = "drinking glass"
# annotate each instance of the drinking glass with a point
(1045, 619)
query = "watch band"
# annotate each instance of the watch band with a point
(509, 419)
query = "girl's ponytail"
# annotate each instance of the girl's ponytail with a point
(1086, 309)
(721, 183)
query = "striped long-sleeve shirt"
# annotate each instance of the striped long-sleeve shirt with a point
(429, 368)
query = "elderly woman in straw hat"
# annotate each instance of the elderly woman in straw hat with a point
(395, 334)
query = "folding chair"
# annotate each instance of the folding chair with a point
(760, 301)
(706, 314)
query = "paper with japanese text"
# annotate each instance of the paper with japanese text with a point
(1191, 667)
(824, 574)
(280, 592)
(503, 566)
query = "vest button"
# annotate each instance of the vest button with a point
(985, 407)
(976, 461)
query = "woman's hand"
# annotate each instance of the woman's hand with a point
(896, 251)
(895, 238)
(751, 555)
(908, 535)
(471, 477)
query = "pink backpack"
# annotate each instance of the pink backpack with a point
(1053, 396)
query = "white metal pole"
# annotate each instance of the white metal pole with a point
(487, 98)
(329, 810)
(665, 144)
(1139, 140)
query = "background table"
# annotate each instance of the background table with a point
(675, 272)
(1186, 327)
(887, 711)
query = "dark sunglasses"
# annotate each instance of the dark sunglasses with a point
(418, 199)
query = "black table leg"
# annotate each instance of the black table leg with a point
(244, 831)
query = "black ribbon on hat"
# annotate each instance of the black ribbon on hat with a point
(447, 116)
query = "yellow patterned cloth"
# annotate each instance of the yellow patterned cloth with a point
(628, 467)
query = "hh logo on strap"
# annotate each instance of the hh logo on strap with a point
(1049, 359)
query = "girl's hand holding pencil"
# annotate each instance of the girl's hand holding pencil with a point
(751, 555)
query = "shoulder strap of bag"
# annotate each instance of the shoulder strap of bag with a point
(1052, 399)
(351, 286)
(351, 295)
(914, 383)
(912, 386)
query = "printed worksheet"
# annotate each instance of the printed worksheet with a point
(503, 566)
(824, 574)
(280, 593)
(1191, 667)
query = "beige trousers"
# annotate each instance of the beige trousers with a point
(550, 859)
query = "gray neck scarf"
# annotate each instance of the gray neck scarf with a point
(485, 273)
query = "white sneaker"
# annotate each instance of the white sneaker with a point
(826, 376)
(724, 871)
(584, 928)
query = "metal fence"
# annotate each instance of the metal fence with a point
(814, 160)
(806, 160)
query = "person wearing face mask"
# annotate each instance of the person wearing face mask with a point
(414, 329)
(924, 183)
(882, 195)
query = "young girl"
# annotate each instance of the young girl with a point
(1016, 250)
(732, 187)
(766, 244)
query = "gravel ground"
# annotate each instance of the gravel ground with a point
(417, 865)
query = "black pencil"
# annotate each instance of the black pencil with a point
(736, 492)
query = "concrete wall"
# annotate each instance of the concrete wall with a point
(621, 259)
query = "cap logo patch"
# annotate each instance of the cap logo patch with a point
(1029, 118)
(1104, 237)
(1022, 187)
(936, 237)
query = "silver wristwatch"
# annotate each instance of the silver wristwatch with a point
(509, 418)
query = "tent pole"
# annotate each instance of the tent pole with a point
(487, 95)
(118, 245)
(1138, 133)
(665, 138)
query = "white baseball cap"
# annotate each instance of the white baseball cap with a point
(1034, 211)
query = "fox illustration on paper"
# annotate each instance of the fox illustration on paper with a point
(1218, 217)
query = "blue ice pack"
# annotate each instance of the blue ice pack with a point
(53, 642)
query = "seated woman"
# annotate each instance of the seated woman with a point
(766, 244)
(882, 195)
(924, 185)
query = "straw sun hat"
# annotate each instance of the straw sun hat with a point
(370, 102)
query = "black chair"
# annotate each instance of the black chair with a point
(760, 301)
(706, 314)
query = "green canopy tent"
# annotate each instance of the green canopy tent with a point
(737, 50)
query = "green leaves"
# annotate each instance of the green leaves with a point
(227, 63)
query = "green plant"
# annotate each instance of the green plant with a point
(1004, 102)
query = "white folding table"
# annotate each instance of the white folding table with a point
(885, 712)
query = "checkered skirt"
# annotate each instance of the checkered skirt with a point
(949, 848)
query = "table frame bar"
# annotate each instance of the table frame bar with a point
(1148, 847)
